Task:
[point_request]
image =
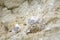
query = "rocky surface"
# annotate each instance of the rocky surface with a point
(29, 19)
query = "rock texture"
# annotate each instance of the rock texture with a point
(30, 20)
(12, 3)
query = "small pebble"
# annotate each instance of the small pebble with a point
(33, 20)
(16, 28)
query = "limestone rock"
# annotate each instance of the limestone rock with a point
(44, 26)
(12, 3)
(1, 2)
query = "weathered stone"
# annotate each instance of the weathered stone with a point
(45, 27)
(12, 3)
(1, 2)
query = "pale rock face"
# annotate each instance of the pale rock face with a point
(6, 14)
(30, 20)
(12, 3)
(2, 2)
(2, 29)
